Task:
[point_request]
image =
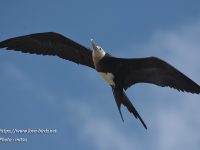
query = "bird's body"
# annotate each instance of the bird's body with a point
(119, 73)
(107, 67)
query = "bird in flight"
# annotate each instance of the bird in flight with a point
(119, 73)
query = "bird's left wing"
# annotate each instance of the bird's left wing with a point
(50, 43)
(156, 71)
(149, 70)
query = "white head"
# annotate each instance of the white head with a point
(98, 52)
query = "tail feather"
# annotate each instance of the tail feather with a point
(121, 98)
(118, 99)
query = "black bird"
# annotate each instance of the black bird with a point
(119, 73)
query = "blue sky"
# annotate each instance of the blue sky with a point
(47, 92)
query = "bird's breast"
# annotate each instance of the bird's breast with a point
(108, 77)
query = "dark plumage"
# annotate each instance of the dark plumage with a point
(120, 73)
(148, 70)
(50, 43)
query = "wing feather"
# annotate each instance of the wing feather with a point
(156, 71)
(50, 43)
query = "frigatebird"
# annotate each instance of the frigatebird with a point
(119, 73)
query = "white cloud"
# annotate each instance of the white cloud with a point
(181, 47)
(100, 132)
(178, 126)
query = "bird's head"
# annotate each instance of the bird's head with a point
(98, 52)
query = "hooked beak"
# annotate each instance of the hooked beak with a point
(94, 46)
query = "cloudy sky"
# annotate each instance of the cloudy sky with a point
(39, 92)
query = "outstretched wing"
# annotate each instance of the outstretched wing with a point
(148, 70)
(156, 71)
(50, 43)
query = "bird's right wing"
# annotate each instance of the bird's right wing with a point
(50, 43)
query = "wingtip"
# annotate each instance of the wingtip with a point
(196, 89)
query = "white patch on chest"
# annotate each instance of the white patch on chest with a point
(108, 77)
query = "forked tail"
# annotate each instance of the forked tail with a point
(121, 98)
